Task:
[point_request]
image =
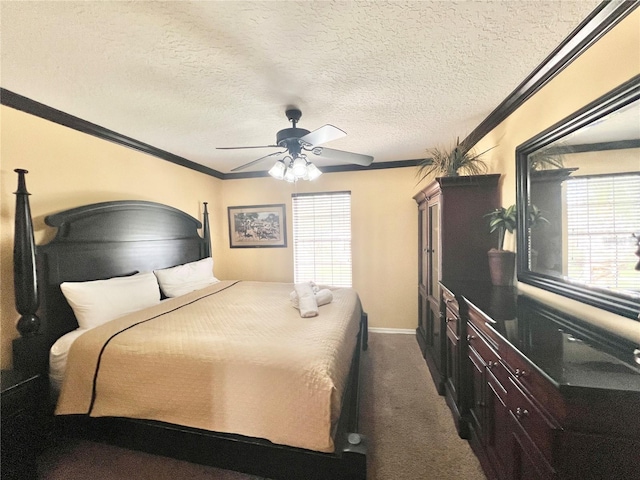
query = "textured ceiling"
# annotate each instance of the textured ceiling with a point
(186, 77)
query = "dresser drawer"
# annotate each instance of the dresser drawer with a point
(497, 378)
(476, 341)
(535, 423)
(480, 321)
(24, 394)
(450, 301)
(535, 384)
(452, 321)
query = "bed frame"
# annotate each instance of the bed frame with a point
(118, 238)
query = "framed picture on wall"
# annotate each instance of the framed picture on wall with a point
(255, 226)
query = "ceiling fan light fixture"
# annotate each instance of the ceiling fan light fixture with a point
(299, 167)
(278, 170)
(289, 176)
(313, 172)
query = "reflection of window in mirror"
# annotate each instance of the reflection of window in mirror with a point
(602, 212)
(586, 186)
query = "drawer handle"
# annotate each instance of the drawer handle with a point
(470, 337)
(450, 319)
(520, 373)
(490, 364)
(521, 412)
(448, 300)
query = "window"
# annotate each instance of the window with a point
(602, 213)
(322, 238)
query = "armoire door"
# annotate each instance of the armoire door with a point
(435, 321)
(423, 247)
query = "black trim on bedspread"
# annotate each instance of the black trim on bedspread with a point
(94, 393)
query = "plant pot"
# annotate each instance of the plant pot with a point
(502, 264)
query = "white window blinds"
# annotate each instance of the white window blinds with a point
(322, 238)
(602, 213)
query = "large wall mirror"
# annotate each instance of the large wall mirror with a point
(578, 197)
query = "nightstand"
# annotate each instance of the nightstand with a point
(23, 411)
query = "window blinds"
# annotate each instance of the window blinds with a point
(322, 238)
(602, 213)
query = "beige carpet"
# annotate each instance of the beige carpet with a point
(409, 429)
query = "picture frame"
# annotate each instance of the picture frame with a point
(258, 226)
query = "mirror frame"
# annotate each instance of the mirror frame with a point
(605, 299)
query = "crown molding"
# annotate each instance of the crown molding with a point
(605, 16)
(24, 104)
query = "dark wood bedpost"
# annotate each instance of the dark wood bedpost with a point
(205, 232)
(24, 262)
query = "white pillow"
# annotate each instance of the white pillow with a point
(176, 281)
(97, 302)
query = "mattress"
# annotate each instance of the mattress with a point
(235, 357)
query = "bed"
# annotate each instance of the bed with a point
(309, 431)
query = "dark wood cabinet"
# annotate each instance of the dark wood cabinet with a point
(429, 332)
(453, 241)
(545, 395)
(23, 402)
(548, 237)
(454, 384)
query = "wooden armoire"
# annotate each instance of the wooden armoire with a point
(453, 241)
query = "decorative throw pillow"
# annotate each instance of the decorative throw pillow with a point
(99, 301)
(176, 281)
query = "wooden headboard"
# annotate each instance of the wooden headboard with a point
(95, 242)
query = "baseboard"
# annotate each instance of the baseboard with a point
(404, 331)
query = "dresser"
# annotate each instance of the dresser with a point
(453, 241)
(545, 395)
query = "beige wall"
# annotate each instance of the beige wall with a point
(613, 60)
(616, 161)
(384, 238)
(67, 169)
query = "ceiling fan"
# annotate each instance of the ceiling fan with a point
(297, 142)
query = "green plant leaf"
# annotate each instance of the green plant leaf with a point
(449, 162)
(502, 220)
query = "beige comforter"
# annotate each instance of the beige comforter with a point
(234, 358)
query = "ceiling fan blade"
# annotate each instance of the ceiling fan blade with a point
(321, 135)
(237, 148)
(255, 161)
(342, 156)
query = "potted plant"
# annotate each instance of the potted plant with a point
(547, 159)
(535, 216)
(449, 162)
(502, 262)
